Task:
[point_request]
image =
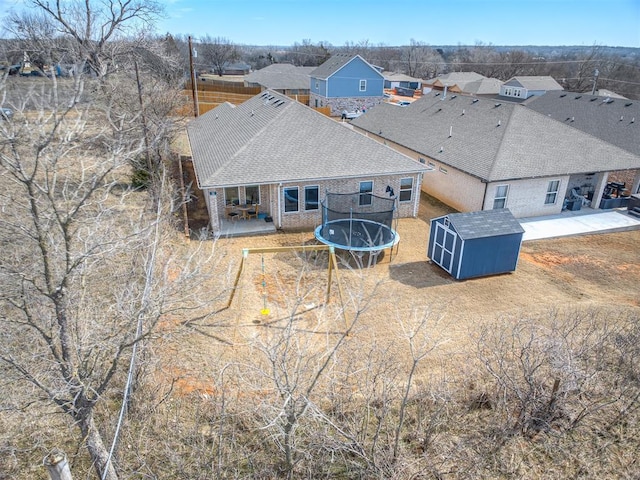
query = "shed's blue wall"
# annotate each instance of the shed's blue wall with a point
(489, 256)
(346, 81)
(479, 257)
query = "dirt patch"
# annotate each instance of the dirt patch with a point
(591, 271)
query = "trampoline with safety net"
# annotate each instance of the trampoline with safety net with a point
(361, 223)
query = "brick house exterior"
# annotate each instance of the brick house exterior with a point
(271, 148)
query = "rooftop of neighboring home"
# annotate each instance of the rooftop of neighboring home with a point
(281, 76)
(603, 92)
(334, 64)
(271, 138)
(614, 120)
(534, 82)
(493, 140)
(400, 77)
(467, 82)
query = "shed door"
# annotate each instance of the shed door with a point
(443, 247)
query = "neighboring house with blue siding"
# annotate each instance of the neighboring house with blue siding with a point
(346, 82)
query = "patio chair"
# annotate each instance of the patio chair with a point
(253, 213)
(231, 213)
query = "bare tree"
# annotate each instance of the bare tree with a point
(217, 53)
(90, 33)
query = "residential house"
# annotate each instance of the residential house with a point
(615, 120)
(521, 88)
(471, 83)
(346, 82)
(283, 156)
(489, 154)
(237, 68)
(395, 80)
(282, 78)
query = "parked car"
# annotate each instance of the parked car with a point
(6, 113)
(350, 115)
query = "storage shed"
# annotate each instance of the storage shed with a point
(475, 244)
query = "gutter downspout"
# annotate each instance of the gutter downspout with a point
(279, 207)
(484, 198)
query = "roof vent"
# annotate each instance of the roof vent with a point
(563, 95)
(438, 110)
(463, 111)
(450, 131)
(577, 97)
(437, 93)
(252, 113)
(573, 119)
(628, 104)
(497, 105)
(441, 149)
(621, 117)
(499, 123)
(633, 120)
(453, 96)
(593, 99)
(474, 100)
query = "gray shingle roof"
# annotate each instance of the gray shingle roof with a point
(493, 140)
(534, 82)
(335, 63)
(271, 138)
(281, 76)
(485, 223)
(616, 121)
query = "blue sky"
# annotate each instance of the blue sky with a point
(448, 22)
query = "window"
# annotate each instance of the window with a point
(311, 198)
(552, 192)
(366, 188)
(443, 170)
(291, 199)
(406, 189)
(422, 160)
(431, 164)
(231, 196)
(500, 200)
(252, 194)
(317, 85)
(363, 85)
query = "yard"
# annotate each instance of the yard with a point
(261, 355)
(582, 272)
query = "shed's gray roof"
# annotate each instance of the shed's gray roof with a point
(614, 120)
(534, 82)
(493, 140)
(281, 76)
(271, 138)
(335, 63)
(485, 223)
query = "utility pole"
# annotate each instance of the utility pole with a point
(194, 92)
(595, 81)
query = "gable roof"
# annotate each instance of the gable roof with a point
(281, 76)
(614, 120)
(485, 223)
(491, 140)
(399, 77)
(335, 63)
(534, 82)
(271, 138)
(467, 82)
